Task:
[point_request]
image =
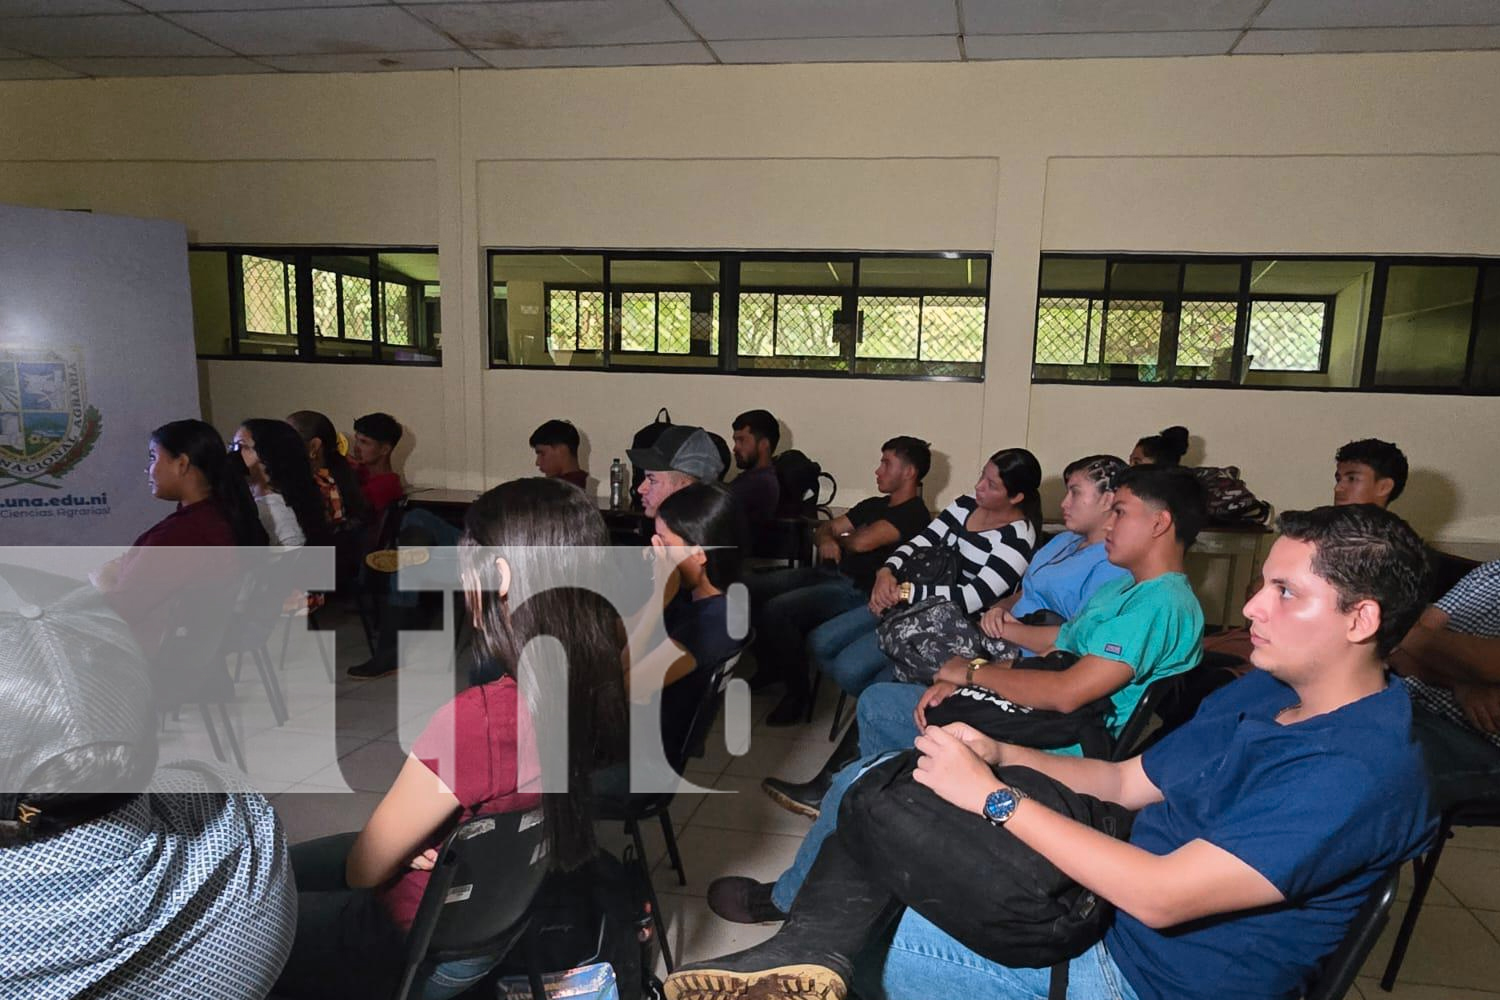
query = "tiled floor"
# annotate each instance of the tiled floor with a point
(1455, 954)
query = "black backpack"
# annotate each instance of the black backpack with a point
(801, 481)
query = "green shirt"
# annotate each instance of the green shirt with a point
(1155, 628)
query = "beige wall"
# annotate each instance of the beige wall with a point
(1396, 154)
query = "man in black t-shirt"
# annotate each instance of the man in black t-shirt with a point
(788, 604)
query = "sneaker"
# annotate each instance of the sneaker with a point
(743, 900)
(775, 970)
(372, 668)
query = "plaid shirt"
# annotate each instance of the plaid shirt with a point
(1473, 608)
(333, 500)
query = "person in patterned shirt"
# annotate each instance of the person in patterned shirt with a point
(1451, 664)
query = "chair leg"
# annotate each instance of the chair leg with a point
(1424, 869)
(838, 716)
(286, 635)
(239, 661)
(633, 828)
(671, 839)
(234, 743)
(213, 736)
(268, 679)
(812, 697)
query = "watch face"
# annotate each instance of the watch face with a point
(1000, 804)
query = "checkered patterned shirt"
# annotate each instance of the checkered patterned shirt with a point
(183, 893)
(1473, 607)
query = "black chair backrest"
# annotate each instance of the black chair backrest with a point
(479, 892)
(188, 667)
(269, 581)
(1339, 969)
(706, 711)
(1135, 726)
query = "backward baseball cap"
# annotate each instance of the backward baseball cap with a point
(681, 448)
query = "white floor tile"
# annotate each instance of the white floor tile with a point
(744, 807)
(1450, 949)
(708, 853)
(696, 934)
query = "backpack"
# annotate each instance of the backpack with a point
(801, 480)
(596, 914)
(1228, 499)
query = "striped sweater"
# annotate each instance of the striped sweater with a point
(990, 563)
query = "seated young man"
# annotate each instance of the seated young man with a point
(681, 456)
(1451, 663)
(1132, 632)
(375, 437)
(756, 435)
(555, 444)
(788, 604)
(1260, 826)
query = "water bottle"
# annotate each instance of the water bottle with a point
(617, 485)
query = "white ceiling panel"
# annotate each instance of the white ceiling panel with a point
(666, 54)
(103, 35)
(180, 6)
(24, 8)
(1100, 45)
(199, 66)
(934, 48)
(32, 69)
(1369, 40)
(1376, 13)
(530, 24)
(1009, 17)
(374, 62)
(315, 31)
(715, 19)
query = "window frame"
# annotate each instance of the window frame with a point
(1369, 359)
(729, 290)
(303, 256)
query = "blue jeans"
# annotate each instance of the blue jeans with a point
(788, 605)
(424, 528)
(791, 880)
(1461, 764)
(847, 650)
(886, 721)
(921, 962)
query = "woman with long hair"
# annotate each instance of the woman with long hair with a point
(526, 546)
(187, 465)
(281, 480)
(342, 497)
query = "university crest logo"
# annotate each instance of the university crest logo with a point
(46, 424)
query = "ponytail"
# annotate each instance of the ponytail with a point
(225, 474)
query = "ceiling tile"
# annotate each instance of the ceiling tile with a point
(715, 19)
(532, 25)
(1369, 40)
(1376, 13)
(104, 35)
(1100, 45)
(23, 8)
(1025, 17)
(666, 54)
(315, 32)
(179, 6)
(192, 66)
(375, 62)
(32, 69)
(933, 48)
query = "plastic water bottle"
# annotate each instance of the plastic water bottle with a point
(617, 485)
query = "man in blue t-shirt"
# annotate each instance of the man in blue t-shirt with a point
(1261, 825)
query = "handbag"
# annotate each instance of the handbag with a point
(930, 566)
(921, 638)
(995, 895)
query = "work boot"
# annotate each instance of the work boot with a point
(397, 617)
(743, 900)
(806, 799)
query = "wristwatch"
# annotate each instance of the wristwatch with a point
(1001, 804)
(974, 665)
(905, 593)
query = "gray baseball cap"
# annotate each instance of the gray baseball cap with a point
(683, 449)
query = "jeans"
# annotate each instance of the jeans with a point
(1461, 764)
(886, 720)
(787, 606)
(791, 880)
(921, 962)
(421, 528)
(346, 944)
(848, 651)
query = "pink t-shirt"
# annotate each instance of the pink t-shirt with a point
(481, 744)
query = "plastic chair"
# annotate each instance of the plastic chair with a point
(372, 587)
(1470, 812)
(257, 612)
(1338, 970)
(478, 896)
(1135, 726)
(189, 667)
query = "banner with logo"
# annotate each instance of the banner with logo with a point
(96, 350)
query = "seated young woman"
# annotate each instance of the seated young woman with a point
(1166, 448)
(358, 893)
(185, 552)
(342, 497)
(281, 480)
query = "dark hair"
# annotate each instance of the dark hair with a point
(95, 765)
(381, 426)
(1384, 458)
(913, 451)
(311, 424)
(1022, 473)
(556, 432)
(206, 452)
(761, 424)
(1173, 489)
(707, 514)
(1102, 470)
(551, 535)
(1166, 448)
(284, 456)
(1366, 553)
